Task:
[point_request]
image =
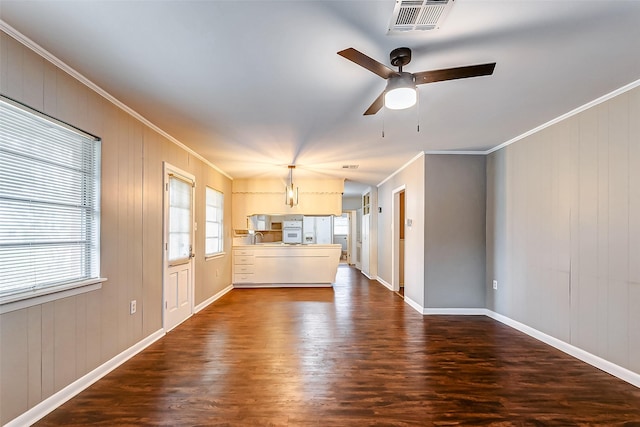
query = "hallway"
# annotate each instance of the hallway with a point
(351, 355)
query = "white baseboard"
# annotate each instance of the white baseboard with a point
(365, 275)
(204, 304)
(385, 284)
(417, 307)
(593, 360)
(455, 311)
(53, 402)
(445, 311)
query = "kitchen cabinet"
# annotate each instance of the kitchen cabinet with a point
(243, 265)
(278, 265)
(266, 196)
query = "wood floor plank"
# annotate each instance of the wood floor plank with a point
(351, 355)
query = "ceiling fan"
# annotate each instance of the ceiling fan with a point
(401, 86)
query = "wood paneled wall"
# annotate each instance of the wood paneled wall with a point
(48, 346)
(563, 230)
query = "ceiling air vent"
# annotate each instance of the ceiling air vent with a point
(419, 15)
(350, 166)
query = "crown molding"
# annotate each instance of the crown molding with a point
(401, 168)
(565, 116)
(26, 41)
(454, 152)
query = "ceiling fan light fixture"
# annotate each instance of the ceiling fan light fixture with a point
(400, 98)
(401, 92)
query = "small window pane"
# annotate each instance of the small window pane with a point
(179, 219)
(214, 222)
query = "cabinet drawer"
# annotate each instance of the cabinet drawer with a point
(243, 278)
(238, 252)
(243, 268)
(243, 259)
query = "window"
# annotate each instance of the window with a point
(180, 219)
(341, 225)
(49, 204)
(366, 204)
(214, 217)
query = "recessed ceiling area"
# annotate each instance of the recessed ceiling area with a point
(254, 86)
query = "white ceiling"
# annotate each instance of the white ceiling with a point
(256, 85)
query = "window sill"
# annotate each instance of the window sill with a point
(214, 256)
(41, 296)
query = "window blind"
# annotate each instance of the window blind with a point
(49, 201)
(180, 219)
(214, 226)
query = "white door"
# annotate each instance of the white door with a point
(365, 244)
(358, 233)
(178, 245)
(353, 237)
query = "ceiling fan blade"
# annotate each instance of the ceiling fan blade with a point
(366, 62)
(376, 106)
(454, 73)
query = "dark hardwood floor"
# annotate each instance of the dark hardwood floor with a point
(353, 355)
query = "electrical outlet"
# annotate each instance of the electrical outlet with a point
(495, 284)
(133, 307)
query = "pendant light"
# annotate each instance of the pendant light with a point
(291, 192)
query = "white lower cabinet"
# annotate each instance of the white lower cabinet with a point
(243, 266)
(264, 265)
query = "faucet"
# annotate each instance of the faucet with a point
(255, 236)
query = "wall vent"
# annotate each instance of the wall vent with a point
(419, 15)
(350, 166)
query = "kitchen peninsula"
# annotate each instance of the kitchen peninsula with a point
(281, 265)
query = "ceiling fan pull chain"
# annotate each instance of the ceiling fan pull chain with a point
(383, 116)
(418, 111)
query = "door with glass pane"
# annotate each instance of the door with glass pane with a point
(178, 246)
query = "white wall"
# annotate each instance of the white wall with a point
(412, 177)
(350, 203)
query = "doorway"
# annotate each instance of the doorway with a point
(353, 237)
(178, 246)
(398, 235)
(341, 232)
